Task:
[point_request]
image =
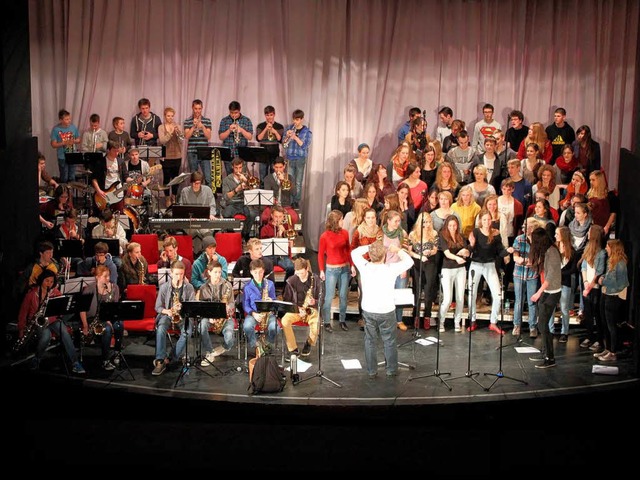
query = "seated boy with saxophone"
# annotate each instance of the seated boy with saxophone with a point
(302, 289)
(258, 289)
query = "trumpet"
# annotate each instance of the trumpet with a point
(270, 135)
(285, 183)
(236, 132)
(197, 131)
(289, 134)
(178, 133)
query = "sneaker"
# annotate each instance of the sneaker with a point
(219, 350)
(537, 358)
(441, 328)
(548, 363)
(457, 329)
(160, 367)
(402, 326)
(361, 324)
(516, 331)
(595, 347)
(287, 357)
(533, 332)
(116, 359)
(78, 368)
(600, 354)
(563, 338)
(473, 327)
(208, 359)
(327, 328)
(108, 365)
(426, 324)
(495, 328)
(609, 357)
(306, 349)
(585, 343)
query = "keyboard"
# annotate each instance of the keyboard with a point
(195, 223)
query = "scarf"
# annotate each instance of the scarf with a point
(365, 230)
(580, 231)
(397, 233)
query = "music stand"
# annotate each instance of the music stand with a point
(164, 275)
(275, 247)
(253, 155)
(77, 284)
(178, 179)
(118, 311)
(190, 211)
(70, 248)
(112, 243)
(151, 151)
(261, 198)
(60, 307)
(199, 311)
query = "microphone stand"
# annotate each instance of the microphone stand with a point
(500, 374)
(436, 372)
(470, 373)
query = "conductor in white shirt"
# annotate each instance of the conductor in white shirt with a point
(378, 307)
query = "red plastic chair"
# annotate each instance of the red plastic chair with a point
(185, 246)
(148, 294)
(149, 248)
(229, 245)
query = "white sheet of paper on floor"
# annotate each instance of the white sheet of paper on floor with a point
(527, 350)
(424, 342)
(353, 364)
(302, 366)
(434, 340)
(604, 369)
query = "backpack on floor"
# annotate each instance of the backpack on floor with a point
(266, 376)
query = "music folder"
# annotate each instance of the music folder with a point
(127, 309)
(254, 154)
(74, 158)
(277, 306)
(112, 243)
(70, 248)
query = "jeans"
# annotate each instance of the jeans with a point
(385, 325)
(285, 263)
(489, 273)
(241, 209)
(566, 302)
(592, 320)
(335, 276)
(186, 333)
(546, 304)
(204, 165)
(228, 337)
(612, 312)
(63, 334)
(400, 283)
(452, 278)
(67, 172)
(249, 328)
(519, 286)
(296, 170)
(111, 329)
(163, 323)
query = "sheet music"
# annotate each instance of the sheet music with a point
(403, 296)
(258, 196)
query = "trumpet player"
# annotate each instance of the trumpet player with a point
(297, 140)
(254, 291)
(235, 131)
(144, 126)
(103, 291)
(303, 290)
(279, 228)
(269, 133)
(64, 138)
(94, 139)
(170, 297)
(171, 135)
(35, 302)
(197, 131)
(282, 197)
(232, 200)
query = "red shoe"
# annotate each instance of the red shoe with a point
(494, 328)
(473, 327)
(426, 324)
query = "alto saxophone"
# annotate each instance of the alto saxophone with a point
(96, 327)
(175, 309)
(262, 317)
(308, 298)
(218, 323)
(140, 272)
(38, 321)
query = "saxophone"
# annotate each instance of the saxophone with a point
(175, 309)
(38, 321)
(262, 317)
(96, 327)
(308, 298)
(140, 272)
(218, 323)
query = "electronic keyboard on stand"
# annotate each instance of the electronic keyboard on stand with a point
(224, 224)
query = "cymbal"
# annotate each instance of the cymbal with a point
(159, 188)
(77, 185)
(178, 180)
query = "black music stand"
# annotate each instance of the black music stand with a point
(62, 306)
(116, 312)
(151, 151)
(275, 307)
(70, 248)
(200, 311)
(190, 211)
(255, 155)
(112, 243)
(259, 198)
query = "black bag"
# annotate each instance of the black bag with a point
(267, 376)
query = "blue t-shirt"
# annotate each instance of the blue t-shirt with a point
(59, 134)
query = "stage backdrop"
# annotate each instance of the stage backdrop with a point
(354, 67)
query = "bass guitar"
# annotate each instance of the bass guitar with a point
(114, 193)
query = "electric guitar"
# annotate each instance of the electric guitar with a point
(114, 193)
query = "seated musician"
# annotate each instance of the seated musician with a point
(198, 194)
(217, 289)
(303, 290)
(168, 305)
(258, 289)
(54, 208)
(101, 256)
(107, 177)
(45, 261)
(139, 170)
(279, 228)
(32, 314)
(242, 268)
(110, 227)
(93, 322)
(232, 200)
(169, 255)
(46, 183)
(69, 230)
(199, 273)
(281, 196)
(135, 268)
